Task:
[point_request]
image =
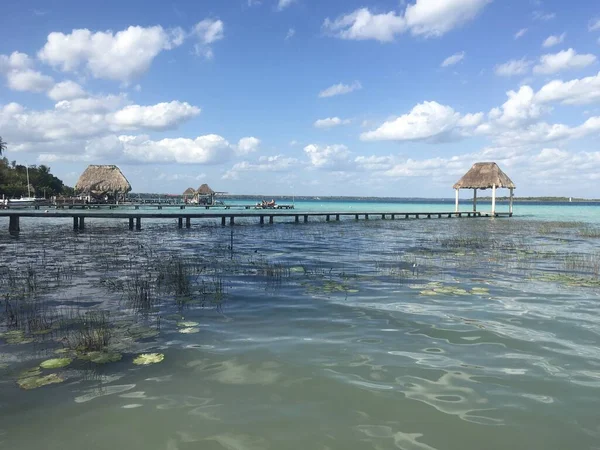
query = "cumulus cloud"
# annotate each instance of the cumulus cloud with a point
(454, 59)
(428, 18)
(553, 40)
(290, 34)
(66, 90)
(543, 16)
(277, 163)
(18, 69)
(564, 60)
(208, 31)
(247, 145)
(161, 116)
(594, 25)
(282, 4)
(331, 122)
(122, 56)
(327, 157)
(513, 67)
(574, 92)
(340, 89)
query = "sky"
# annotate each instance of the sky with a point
(306, 97)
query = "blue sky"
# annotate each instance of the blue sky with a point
(385, 98)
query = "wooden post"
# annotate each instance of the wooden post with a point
(510, 204)
(138, 223)
(131, 223)
(231, 220)
(262, 220)
(393, 216)
(456, 204)
(356, 216)
(366, 217)
(13, 224)
(297, 219)
(383, 217)
(337, 217)
(493, 199)
(188, 222)
(270, 219)
(305, 219)
(75, 223)
(475, 200)
(327, 218)
(180, 222)
(81, 223)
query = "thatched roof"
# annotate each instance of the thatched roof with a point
(102, 179)
(205, 190)
(189, 191)
(484, 175)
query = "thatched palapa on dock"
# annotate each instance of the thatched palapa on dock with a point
(485, 175)
(103, 181)
(205, 195)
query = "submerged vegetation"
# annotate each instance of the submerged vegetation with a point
(99, 299)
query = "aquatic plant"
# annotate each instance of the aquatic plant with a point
(35, 382)
(100, 357)
(148, 358)
(55, 363)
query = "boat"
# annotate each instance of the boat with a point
(24, 201)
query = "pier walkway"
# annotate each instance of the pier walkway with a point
(135, 217)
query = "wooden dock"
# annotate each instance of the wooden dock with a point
(262, 215)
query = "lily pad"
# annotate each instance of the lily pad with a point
(101, 357)
(33, 372)
(480, 291)
(37, 381)
(55, 363)
(15, 337)
(428, 292)
(148, 358)
(187, 324)
(189, 330)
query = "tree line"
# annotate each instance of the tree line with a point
(13, 179)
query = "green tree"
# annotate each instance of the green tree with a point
(3, 146)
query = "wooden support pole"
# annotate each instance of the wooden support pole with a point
(180, 222)
(383, 217)
(131, 223)
(493, 199)
(138, 223)
(82, 223)
(327, 218)
(510, 204)
(159, 206)
(297, 219)
(188, 222)
(393, 216)
(182, 207)
(231, 220)
(416, 216)
(13, 224)
(262, 220)
(223, 221)
(337, 217)
(270, 219)
(406, 216)
(356, 216)
(305, 219)
(475, 200)
(75, 223)
(366, 217)
(456, 203)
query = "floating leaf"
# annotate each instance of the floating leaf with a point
(148, 358)
(55, 363)
(480, 291)
(187, 324)
(101, 357)
(15, 337)
(189, 330)
(37, 381)
(33, 372)
(428, 292)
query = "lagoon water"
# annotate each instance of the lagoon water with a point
(406, 334)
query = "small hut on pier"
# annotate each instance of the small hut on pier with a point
(188, 195)
(485, 175)
(205, 195)
(103, 183)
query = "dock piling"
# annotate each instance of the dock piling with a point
(81, 222)
(138, 223)
(262, 220)
(270, 219)
(180, 222)
(337, 217)
(297, 219)
(131, 223)
(75, 223)
(223, 221)
(231, 220)
(13, 224)
(305, 218)
(327, 218)
(188, 222)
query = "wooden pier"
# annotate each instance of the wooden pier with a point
(135, 217)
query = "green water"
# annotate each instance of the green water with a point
(429, 334)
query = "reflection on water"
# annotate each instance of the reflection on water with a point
(449, 334)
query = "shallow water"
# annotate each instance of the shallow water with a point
(441, 334)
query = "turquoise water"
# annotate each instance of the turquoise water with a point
(428, 334)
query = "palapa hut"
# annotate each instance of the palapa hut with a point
(103, 182)
(188, 194)
(205, 195)
(485, 175)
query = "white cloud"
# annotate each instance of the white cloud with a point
(282, 4)
(340, 89)
(594, 25)
(454, 59)
(553, 40)
(247, 145)
(519, 34)
(436, 18)
(20, 76)
(429, 18)
(208, 31)
(331, 122)
(66, 90)
(121, 56)
(574, 92)
(161, 116)
(520, 109)
(513, 67)
(327, 157)
(540, 15)
(290, 34)
(277, 163)
(374, 163)
(564, 60)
